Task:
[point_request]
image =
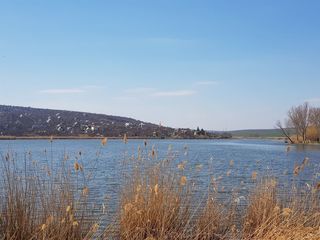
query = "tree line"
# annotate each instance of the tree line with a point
(301, 119)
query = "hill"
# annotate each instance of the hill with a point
(27, 121)
(34, 122)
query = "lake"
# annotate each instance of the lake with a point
(232, 162)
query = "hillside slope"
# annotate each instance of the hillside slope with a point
(26, 121)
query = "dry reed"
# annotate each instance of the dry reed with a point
(271, 217)
(40, 204)
(158, 201)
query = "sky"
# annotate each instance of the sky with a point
(219, 65)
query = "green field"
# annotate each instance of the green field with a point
(257, 133)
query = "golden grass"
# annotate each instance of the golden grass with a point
(154, 204)
(37, 205)
(159, 204)
(158, 200)
(270, 217)
(215, 221)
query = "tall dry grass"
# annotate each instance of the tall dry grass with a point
(215, 221)
(39, 203)
(294, 216)
(154, 205)
(159, 200)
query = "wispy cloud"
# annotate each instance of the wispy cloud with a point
(140, 90)
(124, 98)
(205, 83)
(154, 92)
(63, 90)
(177, 93)
(91, 87)
(80, 89)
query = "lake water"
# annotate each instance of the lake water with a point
(108, 163)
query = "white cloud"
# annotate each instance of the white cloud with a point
(81, 89)
(63, 91)
(177, 93)
(124, 98)
(140, 90)
(91, 87)
(153, 92)
(205, 83)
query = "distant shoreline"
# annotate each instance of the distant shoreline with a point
(117, 138)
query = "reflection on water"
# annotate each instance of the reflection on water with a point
(307, 147)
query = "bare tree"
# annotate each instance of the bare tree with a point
(299, 118)
(315, 119)
(284, 131)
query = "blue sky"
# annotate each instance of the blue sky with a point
(215, 64)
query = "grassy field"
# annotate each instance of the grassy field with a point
(157, 201)
(258, 133)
